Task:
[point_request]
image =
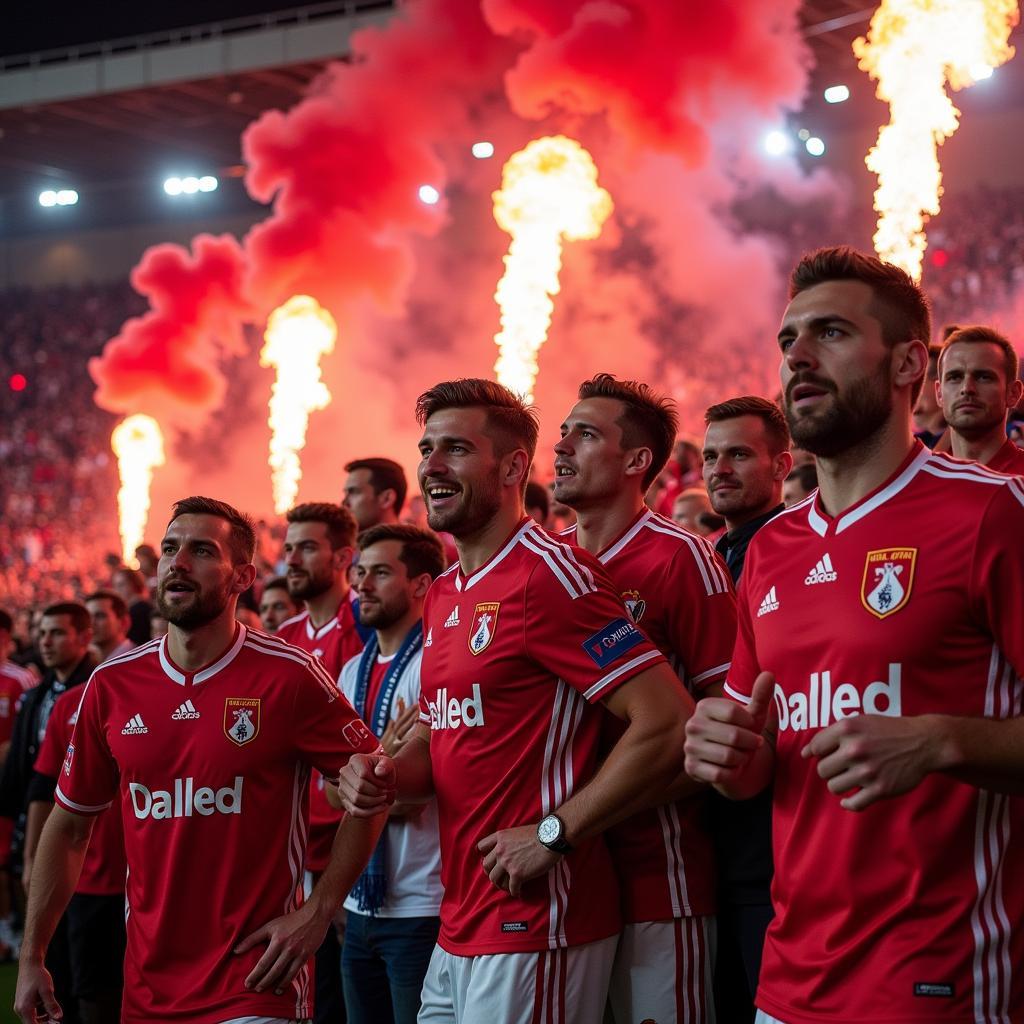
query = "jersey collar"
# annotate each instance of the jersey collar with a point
(823, 524)
(181, 677)
(464, 583)
(638, 523)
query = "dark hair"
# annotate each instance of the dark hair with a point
(341, 527)
(775, 428)
(537, 497)
(807, 474)
(511, 422)
(977, 334)
(6, 622)
(899, 305)
(146, 549)
(77, 613)
(117, 605)
(275, 583)
(134, 578)
(422, 552)
(385, 475)
(649, 420)
(243, 529)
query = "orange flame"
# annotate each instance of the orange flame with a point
(298, 334)
(138, 444)
(913, 49)
(549, 191)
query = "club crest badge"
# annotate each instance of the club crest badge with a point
(888, 580)
(241, 719)
(485, 622)
(635, 604)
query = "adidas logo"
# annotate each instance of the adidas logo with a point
(770, 603)
(134, 726)
(185, 711)
(453, 619)
(822, 572)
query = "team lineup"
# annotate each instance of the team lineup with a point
(620, 772)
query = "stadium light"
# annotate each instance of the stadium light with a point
(837, 94)
(48, 198)
(429, 195)
(64, 197)
(815, 146)
(172, 186)
(190, 185)
(483, 150)
(777, 142)
(208, 183)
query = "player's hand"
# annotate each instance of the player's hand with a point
(512, 856)
(34, 1000)
(399, 729)
(366, 785)
(875, 755)
(722, 735)
(291, 941)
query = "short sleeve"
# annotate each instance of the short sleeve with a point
(88, 778)
(744, 667)
(576, 625)
(997, 580)
(327, 729)
(700, 616)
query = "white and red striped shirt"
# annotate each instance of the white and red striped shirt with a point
(514, 656)
(679, 592)
(911, 602)
(14, 681)
(211, 769)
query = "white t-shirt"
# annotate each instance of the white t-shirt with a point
(414, 852)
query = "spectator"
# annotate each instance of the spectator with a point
(374, 491)
(110, 624)
(801, 481)
(688, 508)
(537, 504)
(276, 604)
(131, 585)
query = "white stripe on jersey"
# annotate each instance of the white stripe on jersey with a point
(948, 472)
(718, 670)
(671, 832)
(297, 837)
(1017, 488)
(736, 695)
(499, 557)
(858, 513)
(266, 644)
(554, 565)
(565, 554)
(941, 460)
(612, 676)
(82, 808)
(715, 576)
(136, 652)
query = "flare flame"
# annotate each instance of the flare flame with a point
(549, 191)
(298, 334)
(913, 49)
(138, 444)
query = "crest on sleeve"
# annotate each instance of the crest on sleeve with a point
(241, 719)
(68, 758)
(485, 622)
(888, 580)
(635, 604)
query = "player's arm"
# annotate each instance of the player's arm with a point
(58, 863)
(294, 938)
(644, 761)
(35, 819)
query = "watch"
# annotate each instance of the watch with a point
(551, 833)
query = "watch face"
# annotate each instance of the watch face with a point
(549, 830)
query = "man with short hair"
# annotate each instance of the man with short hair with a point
(746, 459)
(800, 484)
(929, 422)
(883, 695)
(523, 637)
(374, 491)
(207, 737)
(392, 913)
(276, 604)
(318, 549)
(688, 508)
(614, 442)
(131, 585)
(110, 624)
(977, 388)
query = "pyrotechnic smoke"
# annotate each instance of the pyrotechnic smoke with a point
(913, 49)
(298, 334)
(549, 191)
(138, 444)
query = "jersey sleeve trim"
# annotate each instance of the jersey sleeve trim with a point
(736, 695)
(576, 578)
(711, 673)
(88, 809)
(604, 683)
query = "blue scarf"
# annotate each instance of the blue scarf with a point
(371, 888)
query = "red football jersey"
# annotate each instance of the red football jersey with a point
(14, 681)
(212, 769)
(104, 868)
(1009, 459)
(679, 592)
(909, 603)
(333, 643)
(512, 656)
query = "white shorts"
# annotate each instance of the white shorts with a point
(663, 972)
(558, 986)
(763, 1018)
